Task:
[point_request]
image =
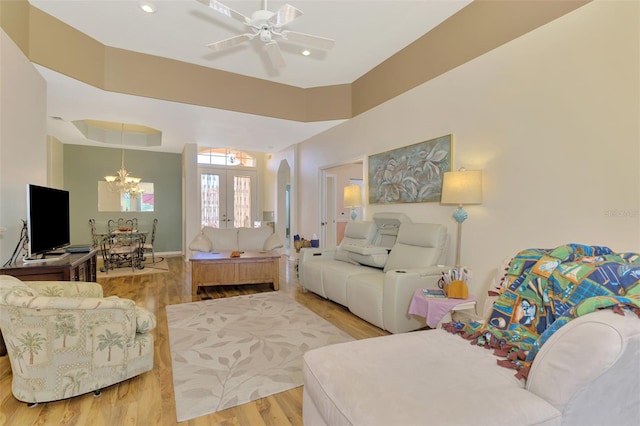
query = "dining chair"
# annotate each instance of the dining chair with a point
(95, 238)
(122, 251)
(148, 246)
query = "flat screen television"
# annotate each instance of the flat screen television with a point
(48, 226)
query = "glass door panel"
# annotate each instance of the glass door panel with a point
(210, 200)
(242, 201)
(228, 198)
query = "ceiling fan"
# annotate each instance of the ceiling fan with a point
(267, 26)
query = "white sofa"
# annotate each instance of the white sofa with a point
(587, 373)
(377, 268)
(211, 239)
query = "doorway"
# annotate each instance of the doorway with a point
(228, 197)
(333, 215)
(284, 203)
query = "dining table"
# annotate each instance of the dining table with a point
(123, 247)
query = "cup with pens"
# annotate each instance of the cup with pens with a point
(454, 282)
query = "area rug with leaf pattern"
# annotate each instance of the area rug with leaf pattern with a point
(230, 351)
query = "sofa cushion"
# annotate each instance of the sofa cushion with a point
(355, 234)
(419, 245)
(252, 239)
(222, 239)
(417, 378)
(364, 293)
(335, 276)
(311, 275)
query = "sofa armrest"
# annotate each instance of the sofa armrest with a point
(583, 361)
(397, 292)
(308, 254)
(66, 288)
(145, 320)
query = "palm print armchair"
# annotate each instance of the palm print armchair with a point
(64, 339)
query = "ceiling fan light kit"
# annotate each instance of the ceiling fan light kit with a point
(267, 25)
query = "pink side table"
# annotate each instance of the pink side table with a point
(436, 309)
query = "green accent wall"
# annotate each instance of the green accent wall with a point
(84, 166)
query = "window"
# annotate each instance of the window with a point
(225, 157)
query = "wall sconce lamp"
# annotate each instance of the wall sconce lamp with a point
(352, 199)
(461, 188)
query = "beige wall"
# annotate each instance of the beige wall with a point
(23, 140)
(552, 120)
(344, 174)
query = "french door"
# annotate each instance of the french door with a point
(228, 197)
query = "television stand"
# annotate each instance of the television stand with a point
(46, 257)
(74, 267)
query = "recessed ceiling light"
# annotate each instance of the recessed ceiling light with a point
(147, 7)
(306, 52)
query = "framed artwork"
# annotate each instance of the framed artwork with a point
(411, 174)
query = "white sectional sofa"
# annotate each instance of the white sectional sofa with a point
(377, 268)
(587, 373)
(211, 239)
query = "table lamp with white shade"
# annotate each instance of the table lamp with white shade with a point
(461, 187)
(352, 199)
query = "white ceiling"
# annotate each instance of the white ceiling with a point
(366, 33)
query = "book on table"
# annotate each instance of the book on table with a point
(434, 292)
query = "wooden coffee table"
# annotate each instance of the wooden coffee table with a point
(213, 269)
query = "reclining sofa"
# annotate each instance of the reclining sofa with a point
(377, 268)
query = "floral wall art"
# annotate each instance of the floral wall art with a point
(411, 174)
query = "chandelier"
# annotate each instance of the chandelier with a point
(123, 182)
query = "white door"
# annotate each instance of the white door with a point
(228, 197)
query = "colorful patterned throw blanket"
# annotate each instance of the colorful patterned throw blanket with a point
(544, 289)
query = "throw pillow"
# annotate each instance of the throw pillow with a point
(201, 243)
(272, 242)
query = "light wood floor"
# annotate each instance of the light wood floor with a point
(148, 399)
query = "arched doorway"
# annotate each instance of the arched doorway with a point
(283, 203)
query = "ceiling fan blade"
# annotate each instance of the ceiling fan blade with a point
(225, 10)
(275, 55)
(308, 39)
(230, 42)
(284, 15)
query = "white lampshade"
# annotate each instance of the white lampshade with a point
(462, 187)
(352, 196)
